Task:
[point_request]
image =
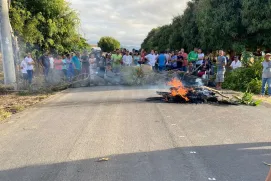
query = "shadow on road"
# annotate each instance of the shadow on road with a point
(236, 162)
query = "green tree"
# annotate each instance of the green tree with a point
(189, 31)
(148, 41)
(256, 17)
(158, 39)
(236, 25)
(108, 44)
(176, 38)
(220, 24)
(46, 25)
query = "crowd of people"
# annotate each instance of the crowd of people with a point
(109, 65)
(74, 65)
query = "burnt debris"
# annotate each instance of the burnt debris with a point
(191, 94)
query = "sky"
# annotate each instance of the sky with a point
(129, 21)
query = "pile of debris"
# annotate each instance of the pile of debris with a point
(189, 94)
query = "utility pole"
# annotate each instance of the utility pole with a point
(6, 45)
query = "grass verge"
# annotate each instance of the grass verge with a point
(16, 102)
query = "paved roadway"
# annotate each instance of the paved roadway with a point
(62, 139)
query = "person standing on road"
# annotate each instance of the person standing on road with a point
(174, 60)
(193, 56)
(64, 66)
(151, 59)
(30, 62)
(117, 61)
(108, 59)
(51, 70)
(221, 69)
(85, 65)
(266, 75)
(142, 55)
(127, 59)
(51, 58)
(161, 61)
(179, 61)
(45, 61)
(23, 68)
(168, 57)
(185, 60)
(136, 59)
(70, 67)
(77, 64)
(92, 66)
(58, 67)
(200, 58)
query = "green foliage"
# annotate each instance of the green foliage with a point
(255, 86)
(256, 16)
(159, 39)
(45, 25)
(247, 99)
(247, 77)
(108, 44)
(216, 24)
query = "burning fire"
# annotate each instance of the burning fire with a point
(178, 88)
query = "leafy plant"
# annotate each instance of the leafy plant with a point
(247, 99)
(255, 86)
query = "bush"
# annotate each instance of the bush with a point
(247, 77)
(255, 86)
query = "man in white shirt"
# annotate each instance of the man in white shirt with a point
(23, 68)
(236, 63)
(151, 59)
(51, 58)
(30, 62)
(127, 59)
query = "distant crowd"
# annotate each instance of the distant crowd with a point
(109, 65)
(74, 65)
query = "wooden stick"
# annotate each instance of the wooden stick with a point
(216, 91)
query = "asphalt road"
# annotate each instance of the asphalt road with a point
(62, 139)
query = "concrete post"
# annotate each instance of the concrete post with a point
(6, 45)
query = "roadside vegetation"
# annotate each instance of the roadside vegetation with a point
(12, 103)
(238, 27)
(213, 25)
(246, 78)
(46, 26)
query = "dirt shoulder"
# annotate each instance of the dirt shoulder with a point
(16, 102)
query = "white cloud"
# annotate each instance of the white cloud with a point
(128, 21)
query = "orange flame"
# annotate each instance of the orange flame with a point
(178, 88)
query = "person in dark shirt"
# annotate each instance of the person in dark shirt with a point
(85, 65)
(180, 61)
(45, 61)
